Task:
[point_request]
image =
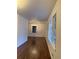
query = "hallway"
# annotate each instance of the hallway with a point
(38, 29)
(35, 48)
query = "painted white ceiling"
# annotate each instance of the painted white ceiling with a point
(39, 9)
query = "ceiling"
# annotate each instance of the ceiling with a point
(39, 9)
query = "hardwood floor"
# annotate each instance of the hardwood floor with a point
(35, 48)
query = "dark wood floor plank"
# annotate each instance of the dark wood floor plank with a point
(35, 48)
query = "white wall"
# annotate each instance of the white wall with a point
(41, 28)
(22, 29)
(56, 54)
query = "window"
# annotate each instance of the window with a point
(54, 23)
(34, 29)
(52, 31)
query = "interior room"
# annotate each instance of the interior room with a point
(38, 29)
